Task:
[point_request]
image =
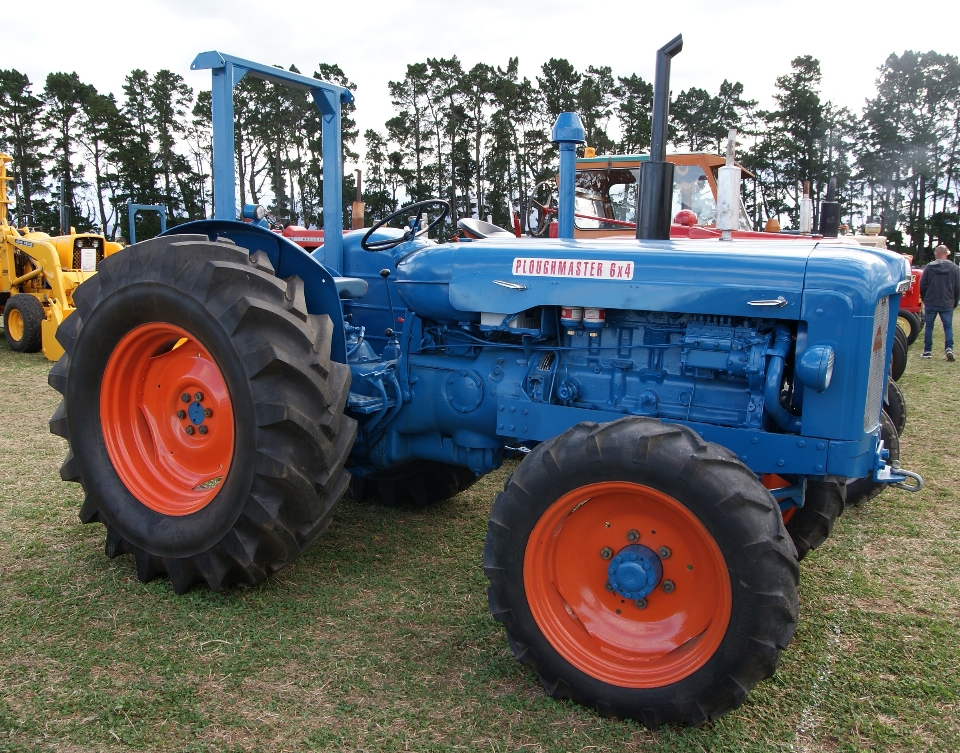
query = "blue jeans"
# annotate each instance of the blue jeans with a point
(930, 316)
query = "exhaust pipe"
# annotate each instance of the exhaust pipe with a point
(655, 196)
(830, 212)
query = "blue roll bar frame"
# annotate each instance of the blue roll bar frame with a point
(227, 72)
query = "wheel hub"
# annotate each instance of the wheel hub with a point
(635, 571)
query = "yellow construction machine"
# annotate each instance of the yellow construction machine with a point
(39, 275)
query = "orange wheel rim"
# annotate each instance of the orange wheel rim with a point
(15, 324)
(602, 633)
(172, 454)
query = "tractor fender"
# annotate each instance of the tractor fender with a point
(288, 259)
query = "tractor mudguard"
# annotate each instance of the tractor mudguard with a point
(288, 259)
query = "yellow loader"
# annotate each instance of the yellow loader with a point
(39, 275)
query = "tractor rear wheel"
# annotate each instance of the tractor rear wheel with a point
(863, 489)
(22, 316)
(641, 571)
(810, 525)
(204, 416)
(419, 483)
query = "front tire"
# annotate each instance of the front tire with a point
(864, 489)
(204, 416)
(684, 654)
(809, 526)
(22, 316)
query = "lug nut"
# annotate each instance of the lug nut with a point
(641, 603)
(608, 585)
(668, 586)
(606, 552)
(207, 413)
(633, 535)
(181, 414)
(203, 429)
(189, 431)
(664, 552)
(198, 397)
(185, 397)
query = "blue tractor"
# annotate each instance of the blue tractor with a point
(222, 388)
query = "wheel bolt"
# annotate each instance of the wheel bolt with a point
(641, 603)
(207, 413)
(189, 430)
(608, 585)
(203, 429)
(181, 414)
(198, 397)
(185, 397)
(668, 586)
(606, 552)
(633, 535)
(664, 552)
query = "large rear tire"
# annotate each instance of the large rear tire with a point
(419, 483)
(684, 645)
(204, 416)
(22, 316)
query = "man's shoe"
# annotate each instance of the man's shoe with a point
(950, 355)
(925, 354)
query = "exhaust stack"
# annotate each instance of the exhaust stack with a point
(655, 196)
(830, 212)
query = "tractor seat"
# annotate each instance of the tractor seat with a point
(478, 229)
(351, 287)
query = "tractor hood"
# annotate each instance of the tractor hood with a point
(747, 279)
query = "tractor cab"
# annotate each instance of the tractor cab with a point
(606, 192)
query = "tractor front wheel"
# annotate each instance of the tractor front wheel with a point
(22, 316)
(810, 525)
(204, 416)
(641, 571)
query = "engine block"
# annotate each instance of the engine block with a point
(685, 367)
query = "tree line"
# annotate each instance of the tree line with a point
(479, 138)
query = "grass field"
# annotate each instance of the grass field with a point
(379, 638)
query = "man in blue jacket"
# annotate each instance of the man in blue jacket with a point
(940, 293)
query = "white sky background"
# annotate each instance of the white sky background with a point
(742, 40)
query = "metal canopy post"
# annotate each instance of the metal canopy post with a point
(132, 210)
(227, 73)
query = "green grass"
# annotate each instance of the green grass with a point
(379, 637)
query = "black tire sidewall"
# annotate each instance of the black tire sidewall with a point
(914, 322)
(32, 314)
(153, 532)
(699, 495)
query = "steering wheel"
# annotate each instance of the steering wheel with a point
(409, 232)
(545, 212)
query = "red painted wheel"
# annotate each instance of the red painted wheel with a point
(597, 630)
(167, 419)
(641, 571)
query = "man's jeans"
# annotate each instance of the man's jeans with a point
(946, 316)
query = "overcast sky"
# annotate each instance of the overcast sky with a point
(751, 41)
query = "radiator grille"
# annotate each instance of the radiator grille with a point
(89, 244)
(871, 412)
